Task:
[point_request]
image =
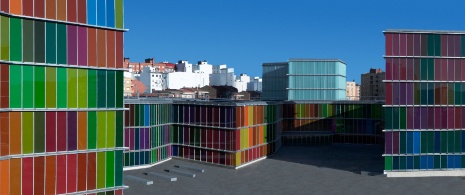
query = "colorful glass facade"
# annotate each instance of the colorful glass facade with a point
(305, 79)
(424, 101)
(317, 122)
(147, 132)
(61, 101)
(230, 134)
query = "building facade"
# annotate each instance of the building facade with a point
(372, 87)
(352, 91)
(424, 103)
(305, 79)
(61, 115)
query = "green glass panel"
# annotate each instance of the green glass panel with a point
(388, 118)
(325, 110)
(72, 87)
(39, 132)
(101, 129)
(61, 44)
(111, 127)
(51, 42)
(437, 45)
(5, 38)
(126, 159)
(430, 69)
(457, 141)
(443, 142)
(110, 179)
(403, 118)
(82, 88)
(402, 163)
(450, 142)
(424, 142)
(62, 87)
(462, 40)
(416, 93)
(424, 93)
(431, 93)
(28, 41)
(443, 161)
(437, 162)
(388, 163)
(431, 46)
(423, 69)
(16, 40)
(102, 89)
(28, 86)
(15, 86)
(395, 117)
(39, 87)
(119, 128)
(39, 41)
(119, 14)
(430, 142)
(111, 96)
(92, 88)
(119, 168)
(119, 89)
(458, 94)
(403, 142)
(416, 162)
(51, 86)
(131, 156)
(92, 130)
(450, 93)
(101, 170)
(136, 115)
(28, 132)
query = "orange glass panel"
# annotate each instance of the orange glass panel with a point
(4, 176)
(39, 171)
(15, 132)
(51, 10)
(111, 49)
(4, 134)
(92, 47)
(119, 50)
(91, 171)
(101, 50)
(15, 176)
(16, 7)
(82, 130)
(61, 10)
(82, 172)
(50, 172)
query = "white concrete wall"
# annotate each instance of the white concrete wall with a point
(178, 80)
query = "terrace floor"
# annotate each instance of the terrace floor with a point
(336, 169)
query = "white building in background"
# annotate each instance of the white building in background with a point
(152, 79)
(188, 75)
(255, 84)
(222, 76)
(241, 82)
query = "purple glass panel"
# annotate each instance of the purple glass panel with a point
(410, 72)
(403, 93)
(126, 138)
(443, 118)
(141, 139)
(388, 143)
(395, 94)
(395, 142)
(388, 68)
(436, 118)
(395, 69)
(132, 139)
(72, 131)
(410, 93)
(450, 45)
(450, 69)
(395, 44)
(457, 44)
(82, 46)
(72, 45)
(416, 44)
(417, 118)
(444, 69)
(186, 136)
(403, 44)
(424, 117)
(450, 118)
(444, 44)
(409, 44)
(147, 138)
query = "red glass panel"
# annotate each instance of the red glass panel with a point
(72, 184)
(409, 44)
(82, 11)
(416, 44)
(91, 171)
(462, 62)
(443, 118)
(92, 47)
(395, 44)
(395, 69)
(457, 44)
(437, 70)
(39, 172)
(450, 118)
(39, 8)
(388, 44)
(61, 174)
(410, 72)
(111, 50)
(403, 44)
(51, 124)
(28, 7)
(71, 10)
(444, 69)
(5, 6)
(388, 68)
(403, 68)
(119, 50)
(458, 118)
(61, 131)
(27, 176)
(450, 70)
(82, 172)
(444, 43)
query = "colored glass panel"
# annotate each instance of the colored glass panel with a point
(51, 9)
(51, 43)
(5, 38)
(51, 87)
(16, 53)
(61, 43)
(28, 87)
(39, 87)
(72, 87)
(28, 41)
(82, 88)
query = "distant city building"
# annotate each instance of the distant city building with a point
(352, 91)
(222, 76)
(372, 87)
(137, 67)
(305, 79)
(255, 84)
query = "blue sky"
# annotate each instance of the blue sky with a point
(245, 33)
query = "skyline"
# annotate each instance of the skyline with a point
(213, 30)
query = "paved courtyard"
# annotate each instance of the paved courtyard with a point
(337, 169)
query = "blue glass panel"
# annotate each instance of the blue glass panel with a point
(147, 115)
(416, 142)
(92, 12)
(430, 162)
(137, 158)
(423, 162)
(395, 163)
(437, 142)
(101, 15)
(457, 161)
(409, 162)
(136, 139)
(450, 161)
(111, 13)
(174, 150)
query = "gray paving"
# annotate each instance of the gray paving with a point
(337, 169)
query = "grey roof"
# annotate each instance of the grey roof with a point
(424, 31)
(314, 60)
(226, 102)
(334, 102)
(347, 169)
